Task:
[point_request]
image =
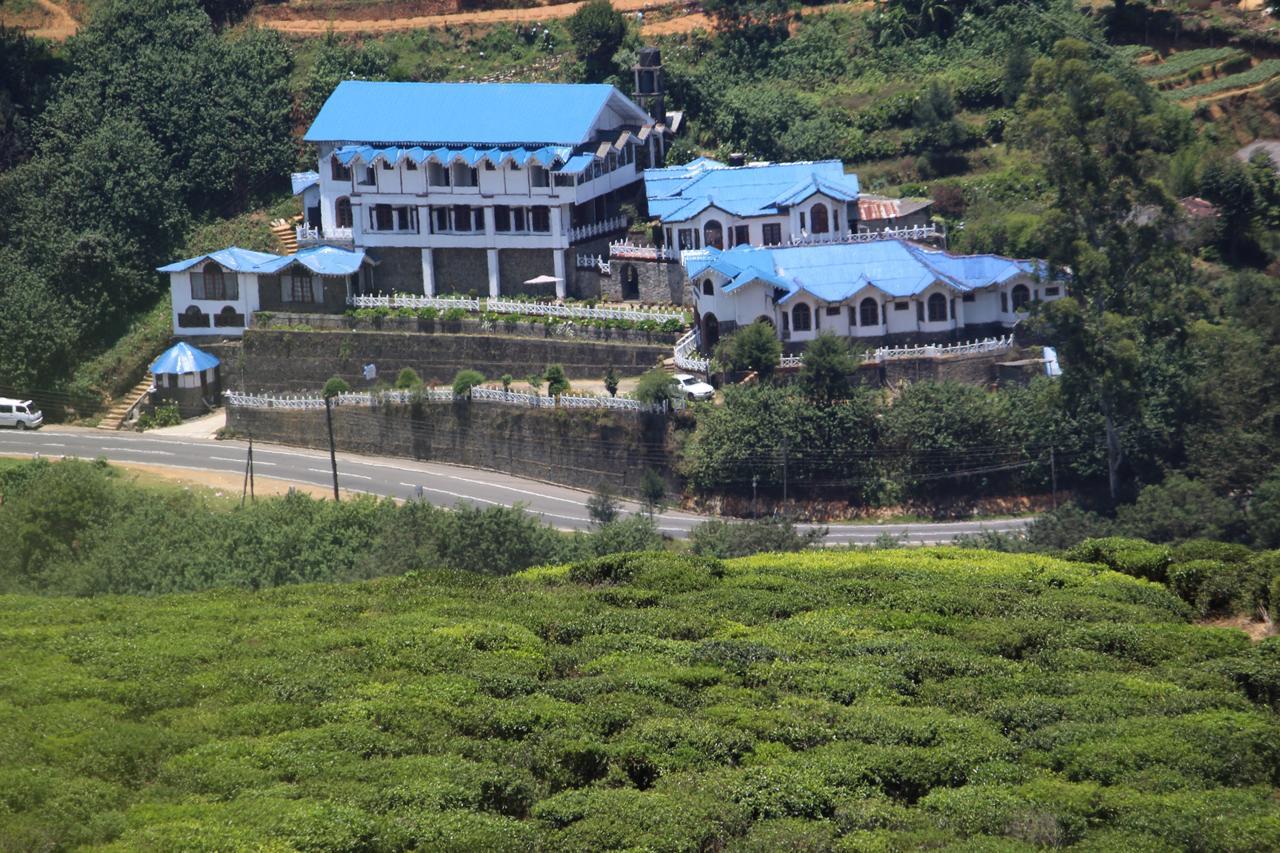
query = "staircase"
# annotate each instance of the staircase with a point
(286, 234)
(114, 418)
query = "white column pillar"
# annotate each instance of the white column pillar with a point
(558, 232)
(958, 324)
(495, 288)
(562, 286)
(428, 273)
(490, 222)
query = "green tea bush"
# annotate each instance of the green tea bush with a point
(1128, 556)
(818, 700)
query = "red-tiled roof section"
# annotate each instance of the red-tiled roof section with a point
(873, 207)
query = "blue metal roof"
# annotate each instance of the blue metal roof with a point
(483, 114)
(834, 272)
(232, 258)
(302, 181)
(321, 260)
(183, 358)
(678, 193)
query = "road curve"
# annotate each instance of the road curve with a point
(401, 478)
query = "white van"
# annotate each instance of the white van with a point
(22, 414)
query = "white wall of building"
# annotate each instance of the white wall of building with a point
(245, 304)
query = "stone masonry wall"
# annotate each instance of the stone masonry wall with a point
(532, 328)
(574, 448)
(461, 271)
(399, 269)
(516, 266)
(286, 361)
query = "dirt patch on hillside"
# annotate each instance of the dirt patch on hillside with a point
(42, 19)
(1256, 629)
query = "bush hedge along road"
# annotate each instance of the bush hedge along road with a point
(875, 700)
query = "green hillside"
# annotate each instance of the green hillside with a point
(882, 700)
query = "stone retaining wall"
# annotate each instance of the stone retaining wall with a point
(291, 362)
(574, 448)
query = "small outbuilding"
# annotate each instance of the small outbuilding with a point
(188, 377)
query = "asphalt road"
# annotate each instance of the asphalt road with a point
(401, 478)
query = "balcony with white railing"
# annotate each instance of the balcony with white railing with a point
(913, 232)
(598, 229)
(309, 235)
(627, 250)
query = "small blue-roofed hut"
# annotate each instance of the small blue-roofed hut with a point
(188, 377)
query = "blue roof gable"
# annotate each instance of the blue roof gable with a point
(232, 258)
(836, 271)
(322, 260)
(466, 113)
(183, 358)
(679, 193)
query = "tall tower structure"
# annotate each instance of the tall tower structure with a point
(651, 85)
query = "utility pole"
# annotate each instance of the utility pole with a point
(755, 480)
(1053, 474)
(784, 475)
(251, 496)
(244, 490)
(333, 456)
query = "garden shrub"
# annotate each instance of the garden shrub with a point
(1134, 557)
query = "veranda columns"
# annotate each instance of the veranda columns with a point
(428, 273)
(495, 289)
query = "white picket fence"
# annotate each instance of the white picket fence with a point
(943, 350)
(498, 305)
(597, 229)
(687, 358)
(295, 402)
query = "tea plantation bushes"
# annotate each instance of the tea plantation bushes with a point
(827, 701)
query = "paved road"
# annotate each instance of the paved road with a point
(401, 478)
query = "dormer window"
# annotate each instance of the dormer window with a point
(368, 177)
(339, 171)
(410, 166)
(538, 177)
(388, 165)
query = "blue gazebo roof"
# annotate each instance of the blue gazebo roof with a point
(184, 358)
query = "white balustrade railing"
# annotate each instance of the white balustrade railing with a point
(686, 357)
(498, 305)
(597, 229)
(629, 250)
(595, 262)
(310, 234)
(686, 353)
(906, 232)
(237, 399)
(416, 301)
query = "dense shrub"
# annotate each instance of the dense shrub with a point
(1128, 556)
(718, 538)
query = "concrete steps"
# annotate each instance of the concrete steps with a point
(286, 235)
(114, 418)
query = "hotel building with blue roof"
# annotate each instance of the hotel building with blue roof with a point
(476, 187)
(880, 289)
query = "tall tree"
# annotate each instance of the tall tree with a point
(597, 30)
(1097, 142)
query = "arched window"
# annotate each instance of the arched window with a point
(937, 308)
(193, 318)
(215, 283)
(869, 312)
(1021, 296)
(801, 318)
(342, 212)
(630, 283)
(818, 221)
(713, 235)
(708, 289)
(710, 330)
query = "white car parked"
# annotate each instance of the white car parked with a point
(20, 413)
(692, 388)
